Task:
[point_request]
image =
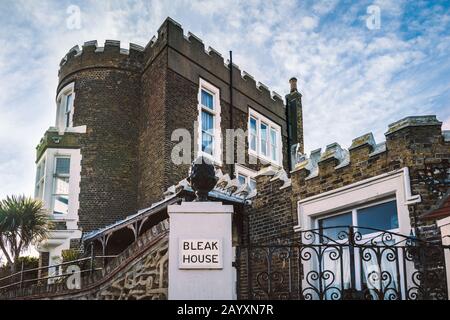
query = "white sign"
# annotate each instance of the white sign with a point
(200, 254)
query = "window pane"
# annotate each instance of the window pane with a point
(61, 204)
(207, 122)
(207, 143)
(382, 216)
(339, 220)
(253, 134)
(264, 139)
(273, 144)
(207, 100)
(252, 184)
(242, 179)
(69, 103)
(61, 185)
(62, 166)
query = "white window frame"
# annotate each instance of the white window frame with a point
(394, 185)
(249, 174)
(270, 126)
(40, 178)
(55, 176)
(61, 101)
(216, 112)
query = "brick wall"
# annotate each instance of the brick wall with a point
(421, 148)
(107, 102)
(132, 101)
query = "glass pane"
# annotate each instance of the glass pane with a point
(61, 185)
(207, 122)
(334, 221)
(69, 103)
(273, 144)
(61, 204)
(253, 134)
(252, 184)
(207, 100)
(264, 139)
(382, 216)
(242, 179)
(62, 166)
(207, 143)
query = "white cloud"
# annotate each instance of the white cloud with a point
(353, 80)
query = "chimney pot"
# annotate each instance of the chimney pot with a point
(293, 82)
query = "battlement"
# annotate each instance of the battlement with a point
(170, 34)
(90, 55)
(362, 149)
(192, 47)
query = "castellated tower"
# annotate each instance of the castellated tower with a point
(109, 154)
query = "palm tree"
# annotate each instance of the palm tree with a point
(23, 221)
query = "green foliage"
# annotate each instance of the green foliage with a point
(71, 255)
(28, 264)
(23, 221)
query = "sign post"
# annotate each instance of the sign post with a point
(200, 252)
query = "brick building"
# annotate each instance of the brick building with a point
(106, 167)
(109, 154)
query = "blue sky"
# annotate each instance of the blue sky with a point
(353, 79)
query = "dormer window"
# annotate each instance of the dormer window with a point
(65, 100)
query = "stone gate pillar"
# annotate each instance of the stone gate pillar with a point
(200, 252)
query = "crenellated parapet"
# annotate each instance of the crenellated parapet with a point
(171, 35)
(110, 55)
(364, 150)
(190, 46)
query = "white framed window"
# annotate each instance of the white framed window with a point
(40, 179)
(264, 138)
(245, 175)
(209, 131)
(61, 179)
(379, 202)
(65, 102)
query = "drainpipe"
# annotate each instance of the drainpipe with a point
(231, 110)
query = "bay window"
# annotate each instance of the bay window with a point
(264, 138)
(40, 180)
(61, 177)
(209, 122)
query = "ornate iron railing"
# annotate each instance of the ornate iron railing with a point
(344, 262)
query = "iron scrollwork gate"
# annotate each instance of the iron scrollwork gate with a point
(357, 263)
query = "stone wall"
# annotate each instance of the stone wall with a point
(138, 273)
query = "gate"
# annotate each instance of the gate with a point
(344, 262)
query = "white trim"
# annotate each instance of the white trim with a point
(60, 122)
(216, 112)
(393, 184)
(270, 125)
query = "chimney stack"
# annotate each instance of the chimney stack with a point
(294, 118)
(293, 82)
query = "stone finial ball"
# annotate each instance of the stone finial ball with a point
(202, 178)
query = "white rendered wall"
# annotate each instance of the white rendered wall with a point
(201, 220)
